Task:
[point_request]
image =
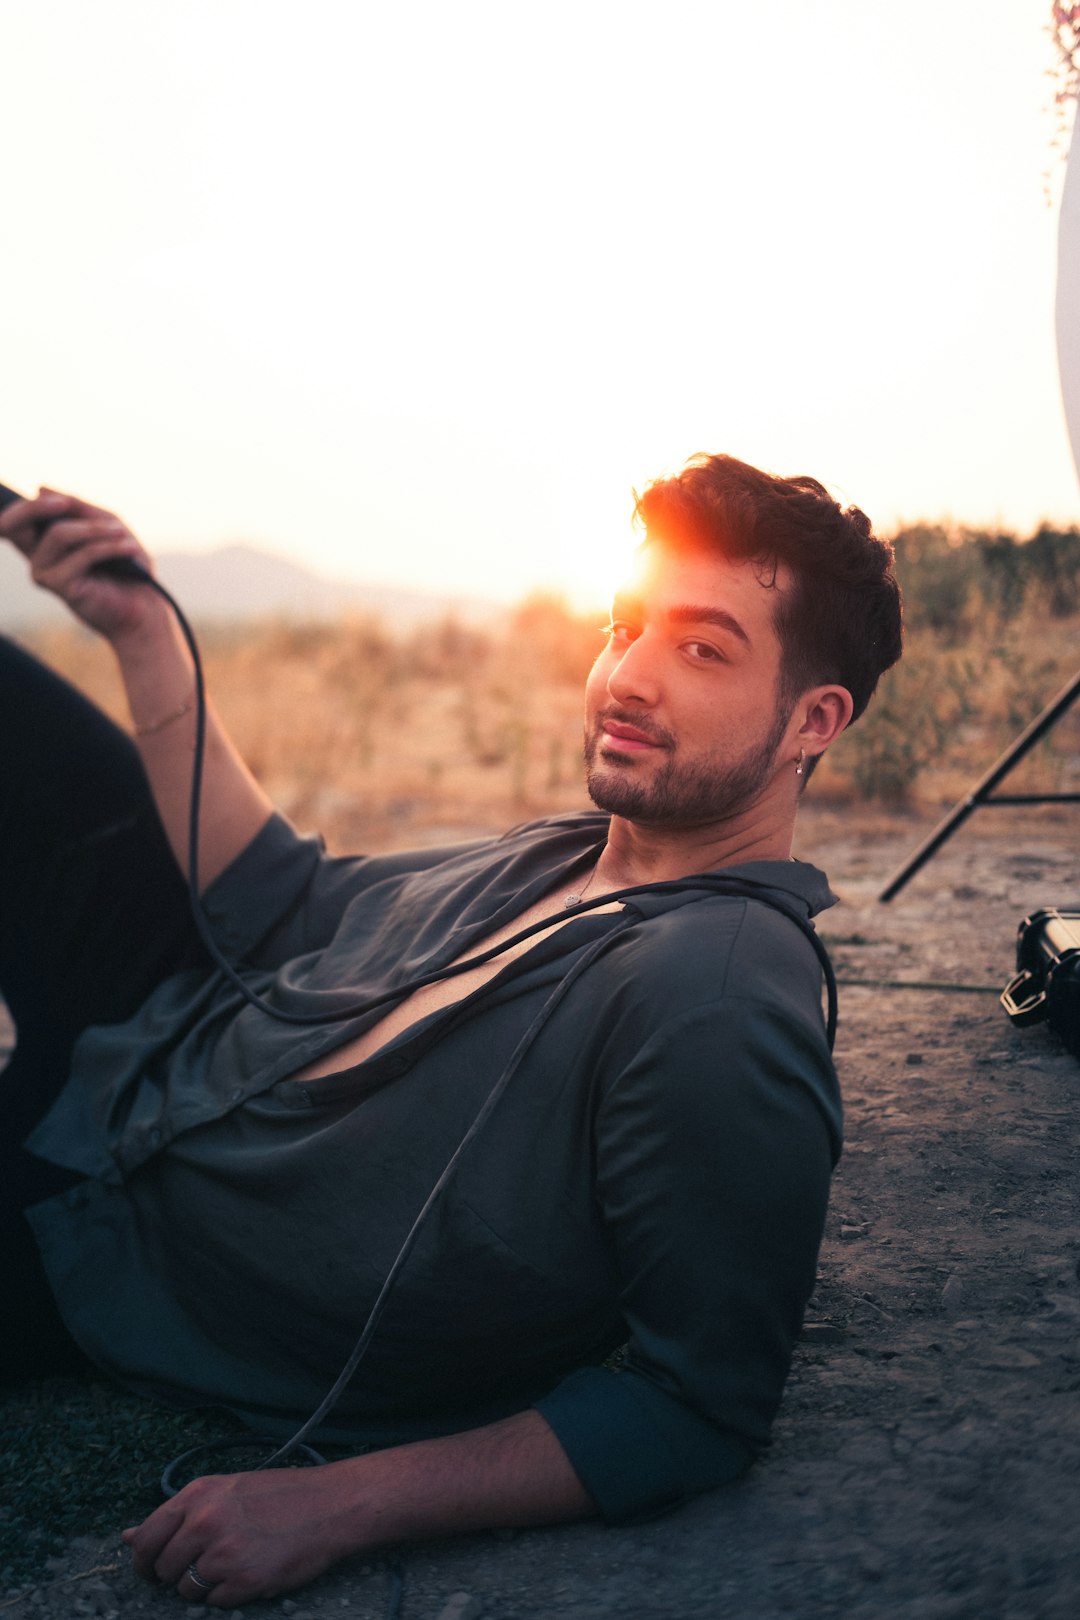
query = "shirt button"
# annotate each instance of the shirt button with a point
(153, 1137)
(238, 1094)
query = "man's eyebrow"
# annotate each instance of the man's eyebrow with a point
(626, 605)
(691, 613)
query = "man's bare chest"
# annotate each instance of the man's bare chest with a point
(444, 993)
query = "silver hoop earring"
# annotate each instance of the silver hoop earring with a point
(799, 762)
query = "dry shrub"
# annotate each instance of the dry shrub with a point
(378, 739)
(441, 733)
(942, 717)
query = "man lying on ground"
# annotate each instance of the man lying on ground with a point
(217, 1197)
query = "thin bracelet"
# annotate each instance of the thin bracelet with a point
(159, 725)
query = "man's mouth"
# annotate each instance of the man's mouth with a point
(629, 739)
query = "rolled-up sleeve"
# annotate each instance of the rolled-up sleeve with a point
(714, 1148)
(263, 887)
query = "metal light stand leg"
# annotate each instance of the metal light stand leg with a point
(981, 792)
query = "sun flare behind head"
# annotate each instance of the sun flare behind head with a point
(592, 550)
(596, 574)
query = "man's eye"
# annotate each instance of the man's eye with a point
(705, 652)
(618, 630)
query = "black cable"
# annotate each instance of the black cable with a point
(171, 1483)
(920, 984)
(397, 1590)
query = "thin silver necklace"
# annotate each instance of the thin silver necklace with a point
(575, 899)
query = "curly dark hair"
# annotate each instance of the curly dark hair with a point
(840, 620)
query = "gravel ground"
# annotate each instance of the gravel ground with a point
(927, 1459)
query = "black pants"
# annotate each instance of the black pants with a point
(93, 914)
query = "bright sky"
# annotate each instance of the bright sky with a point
(418, 292)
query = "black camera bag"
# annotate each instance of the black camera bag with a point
(1047, 982)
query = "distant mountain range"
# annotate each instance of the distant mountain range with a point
(242, 582)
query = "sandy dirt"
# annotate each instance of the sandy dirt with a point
(927, 1458)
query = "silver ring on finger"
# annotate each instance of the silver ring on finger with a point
(199, 1580)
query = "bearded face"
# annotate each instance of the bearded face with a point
(684, 722)
(677, 791)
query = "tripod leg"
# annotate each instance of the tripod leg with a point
(982, 790)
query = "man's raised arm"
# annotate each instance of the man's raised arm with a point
(63, 538)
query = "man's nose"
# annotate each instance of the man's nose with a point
(635, 678)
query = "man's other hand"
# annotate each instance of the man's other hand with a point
(255, 1535)
(251, 1535)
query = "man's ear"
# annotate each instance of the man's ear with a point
(825, 711)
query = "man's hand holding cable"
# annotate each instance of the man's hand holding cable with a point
(63, 539)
